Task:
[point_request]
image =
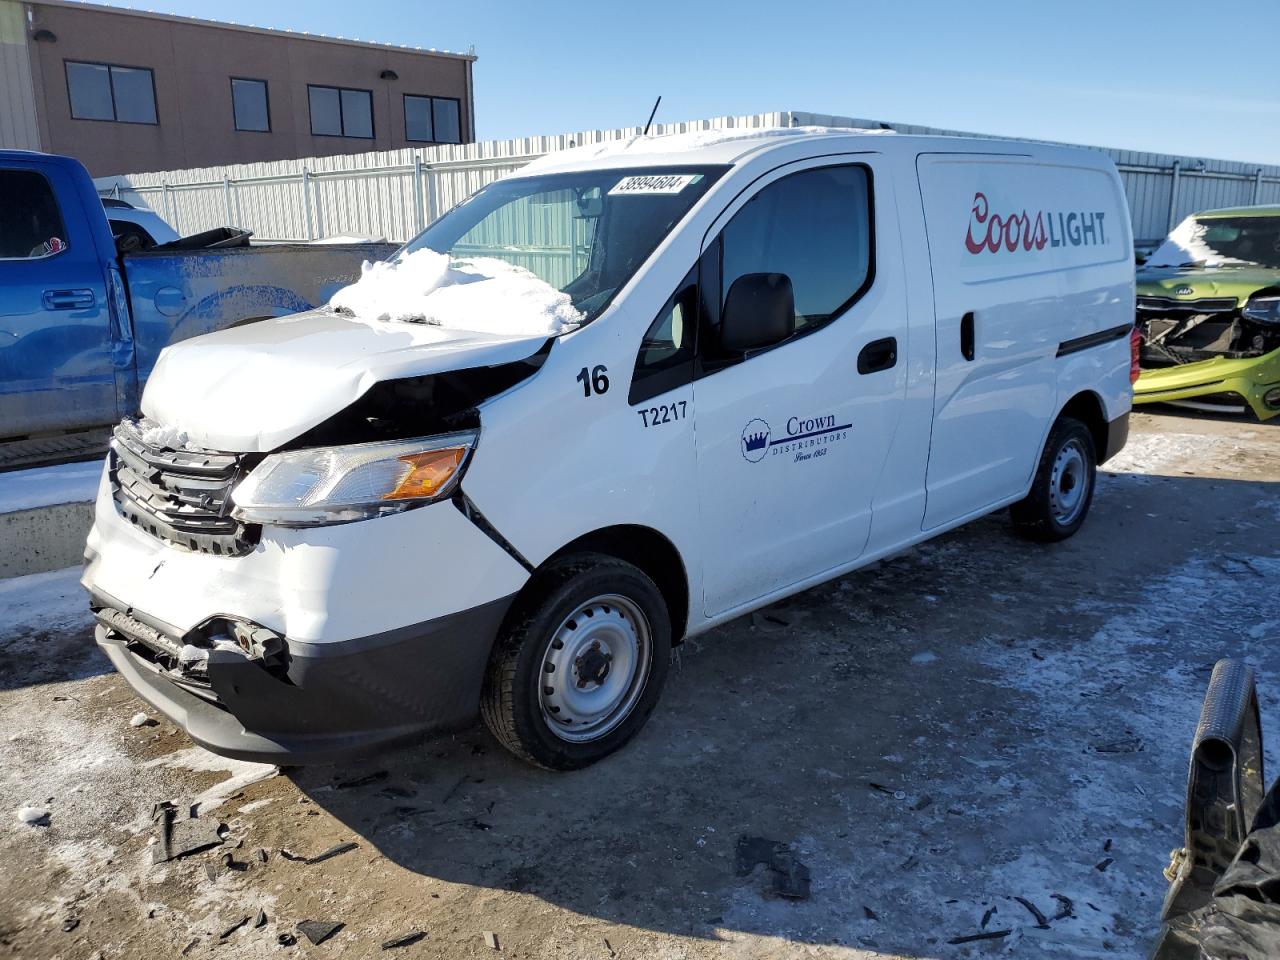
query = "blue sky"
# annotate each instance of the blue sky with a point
(1158, 75)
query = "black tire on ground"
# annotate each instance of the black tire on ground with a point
(1069, 460)
(510, 701)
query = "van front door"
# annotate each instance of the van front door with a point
(791, 438)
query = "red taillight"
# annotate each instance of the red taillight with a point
(1135, 353)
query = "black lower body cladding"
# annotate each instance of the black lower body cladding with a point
(336, 700)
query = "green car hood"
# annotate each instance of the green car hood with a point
(1238, 282)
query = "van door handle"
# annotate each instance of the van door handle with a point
(68, 299)
(878, 355)
(966, 336)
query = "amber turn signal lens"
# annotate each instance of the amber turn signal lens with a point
(428, 473)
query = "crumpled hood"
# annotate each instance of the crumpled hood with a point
(250, 389)
(1238, 282)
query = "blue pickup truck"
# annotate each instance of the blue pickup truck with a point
(81, 323)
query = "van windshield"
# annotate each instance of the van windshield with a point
(584, 233)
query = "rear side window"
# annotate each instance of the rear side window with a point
(30, 221)
(814, 226)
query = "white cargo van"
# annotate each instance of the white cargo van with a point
(627, 394)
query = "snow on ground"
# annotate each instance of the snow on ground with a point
(197, 759)
(481, 294)
(46, 486)
(41, 602)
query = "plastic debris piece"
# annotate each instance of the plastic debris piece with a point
(986, 917)
(1041, 921)
(70, 924)
(211, 871)
(262, 855)
(404, 940)
(333, 852)
(233, 928)
(790, 877)
(286, 939)
(318, 931)
(1102, 865)
(1065, 907)
(260, 920)
(141, 720)
(491, 939)
(289, 855)
(190, 946)
(871, 914)
(986, 935)
(178, 838)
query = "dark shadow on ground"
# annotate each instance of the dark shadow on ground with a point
(826, 725)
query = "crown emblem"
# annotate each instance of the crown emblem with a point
(755, 441)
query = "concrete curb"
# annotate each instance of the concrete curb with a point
(43, 538)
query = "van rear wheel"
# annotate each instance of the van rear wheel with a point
(1062, 490)
(582, 664)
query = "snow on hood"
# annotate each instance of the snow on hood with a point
(250, 389)
(481, 294)
(1186, 247)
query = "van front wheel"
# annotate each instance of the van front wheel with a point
(581, 666)
(1063, 486)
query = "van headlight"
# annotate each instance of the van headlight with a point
(340, 484)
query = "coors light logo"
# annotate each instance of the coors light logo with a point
(991, 232)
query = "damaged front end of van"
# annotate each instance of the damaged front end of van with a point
(221, 555)
(1208, 313)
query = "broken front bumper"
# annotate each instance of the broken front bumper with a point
(375, 631)
(1250, 379)
(326, 701)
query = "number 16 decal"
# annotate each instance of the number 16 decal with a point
(595, 382)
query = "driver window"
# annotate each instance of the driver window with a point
(30, 223)
(814, 226)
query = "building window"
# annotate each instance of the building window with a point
(100, 91)
(249, 104)
(338, 112)
(432, 119)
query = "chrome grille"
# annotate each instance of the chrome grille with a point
(1203, 305)
(180, 496)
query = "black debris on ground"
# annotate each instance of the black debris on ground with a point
(332, 852)
(362, 781)
(871, 914)
(1101, 865)
(986, 935)
(1041, 921)
(404, 940)
(262, 855)
(180, 837)
(260, 920)
(318, 931)
(286, 939)
(1066, 908)
(233, 928)
(790, 877)
(986, 917)
(293, 857)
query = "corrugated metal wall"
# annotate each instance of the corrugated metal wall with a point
(18, 129)
(393, 194)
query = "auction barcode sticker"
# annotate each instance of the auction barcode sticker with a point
(650, 184)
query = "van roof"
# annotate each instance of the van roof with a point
(731, 145)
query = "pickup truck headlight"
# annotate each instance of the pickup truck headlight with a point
(1265, 309)
(340, 484)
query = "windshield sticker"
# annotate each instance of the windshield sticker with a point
(664, 184)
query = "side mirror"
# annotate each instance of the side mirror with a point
(759, 311)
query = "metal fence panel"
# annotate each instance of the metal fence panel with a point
(392, 194)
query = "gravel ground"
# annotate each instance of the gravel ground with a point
(977, 720)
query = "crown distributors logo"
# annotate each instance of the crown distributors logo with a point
(1004, 233)
(807, 438)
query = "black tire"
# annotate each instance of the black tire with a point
(1041, 515)
(510, 702)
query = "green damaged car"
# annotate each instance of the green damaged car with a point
(1209, 314)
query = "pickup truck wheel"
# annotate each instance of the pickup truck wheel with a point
(582, 664)
(1063, 486)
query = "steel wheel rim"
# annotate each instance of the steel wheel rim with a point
(594, 668)
(1068, 483)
